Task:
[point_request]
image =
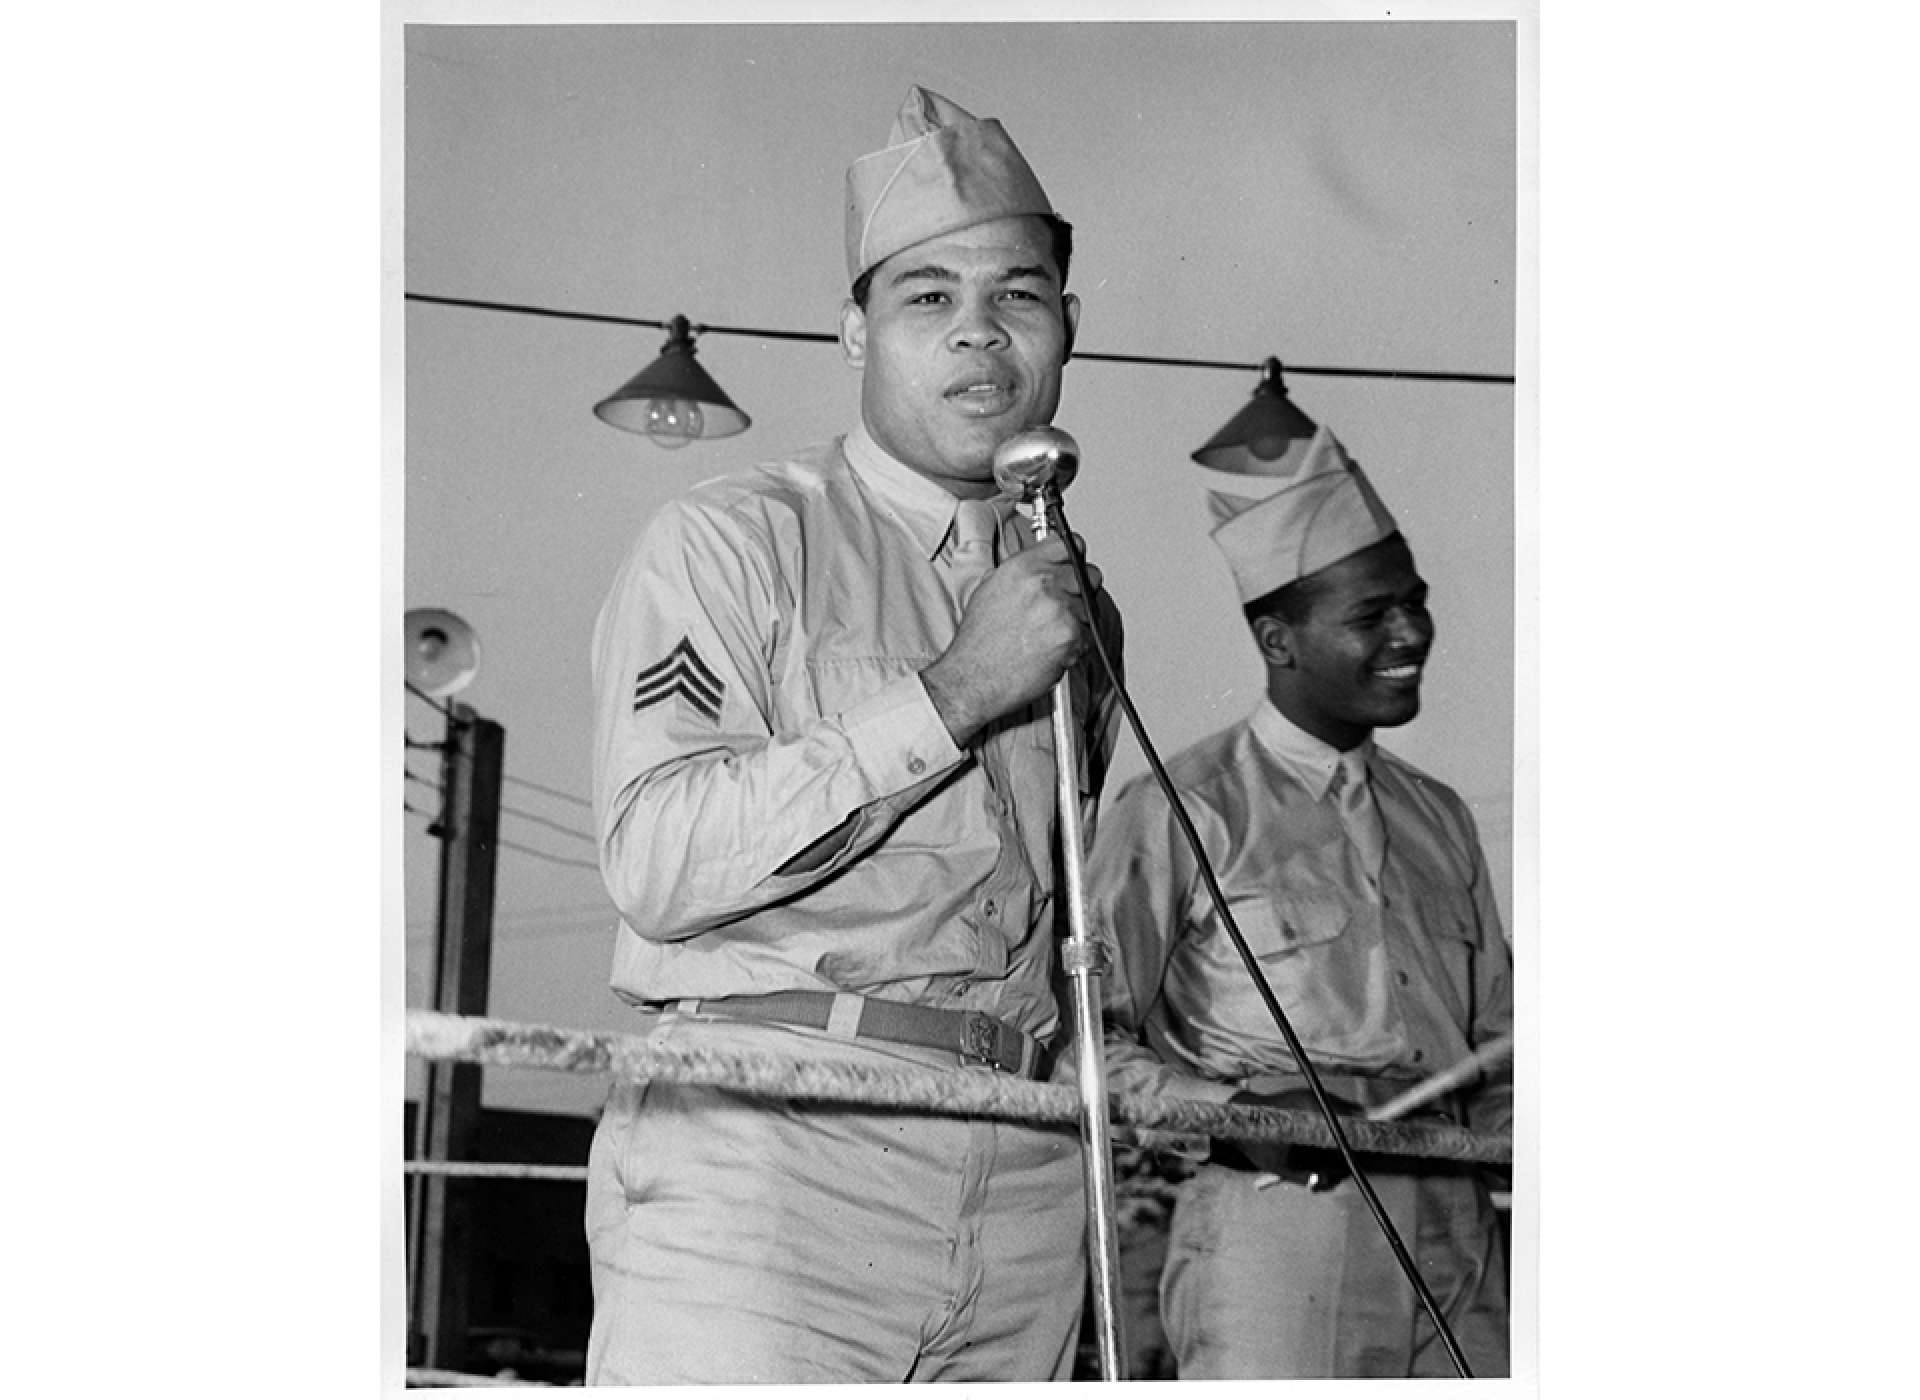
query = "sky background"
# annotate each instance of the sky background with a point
(1332, 194)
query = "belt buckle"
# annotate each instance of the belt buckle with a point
(979, 1038)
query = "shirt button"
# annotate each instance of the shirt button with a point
(916, 764)
(1419, 1055)
(991, 908)
(960, 989)
(1402, 978)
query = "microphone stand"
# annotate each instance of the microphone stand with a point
(1085, 961)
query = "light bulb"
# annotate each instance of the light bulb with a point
(674, 422)
(1269, 447)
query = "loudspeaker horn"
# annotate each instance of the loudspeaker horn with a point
(443, 655)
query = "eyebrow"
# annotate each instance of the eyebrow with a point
(1388, 596)
(934, 272)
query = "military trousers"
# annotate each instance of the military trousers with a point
(1267, 1279)
(739, 1239)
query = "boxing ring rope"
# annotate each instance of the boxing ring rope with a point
(427, 1378)
(438, 1036)
(502, 1171)
(432, 1035)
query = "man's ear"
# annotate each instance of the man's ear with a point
(1070, 312)
(853, 333)
(1275, 639)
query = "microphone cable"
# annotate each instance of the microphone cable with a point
(1052, 499)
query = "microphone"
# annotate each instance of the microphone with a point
(1028, 463)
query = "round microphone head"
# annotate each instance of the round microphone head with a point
(443, 655)
(1030, 462)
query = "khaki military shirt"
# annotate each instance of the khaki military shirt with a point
(779, 805)
(1384, 988)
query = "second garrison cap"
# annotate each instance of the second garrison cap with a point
(1314, 508)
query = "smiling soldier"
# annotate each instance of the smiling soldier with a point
(1360, 887)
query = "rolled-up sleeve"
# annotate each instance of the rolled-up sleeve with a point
(702, 805)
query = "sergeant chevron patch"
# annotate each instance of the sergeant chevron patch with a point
(681, 672)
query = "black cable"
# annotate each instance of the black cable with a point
(550, 792)
(1299, 1052)
(501, 841)
(550, 825)
(756, 333)
(524, 815)
(534, 918)
(518, 310)
(549, 856)
(444, 707)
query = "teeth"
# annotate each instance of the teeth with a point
(1398, 673)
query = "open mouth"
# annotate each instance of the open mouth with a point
(982, 396)
(1408, 671)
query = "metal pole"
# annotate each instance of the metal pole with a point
(440, 829)
(1084, 961)
(450, 1104)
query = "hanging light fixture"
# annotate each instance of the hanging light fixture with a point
(1261, 431)
(673, 400)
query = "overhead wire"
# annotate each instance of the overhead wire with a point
(526, 930)
(519, 925)
(558, 794)
(505, 844)
(541, 915)
(760, 333)
(520, 812)
(549, 856)
(549, 824)
(550, 792)
(445, 707)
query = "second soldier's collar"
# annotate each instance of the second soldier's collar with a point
(1312, 760)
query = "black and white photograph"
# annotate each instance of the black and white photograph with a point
(718, 754)
(856, 695)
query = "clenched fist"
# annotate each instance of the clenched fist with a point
(1025, 624)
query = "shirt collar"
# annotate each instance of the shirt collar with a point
(926, 509)
(1312, 760)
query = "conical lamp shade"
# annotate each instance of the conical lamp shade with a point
(673, 400)
(1261, 433)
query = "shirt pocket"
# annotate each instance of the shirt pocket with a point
(1452, 926)
(835, 684)
(1450, 915)
(1320, 957)
(1279, 925)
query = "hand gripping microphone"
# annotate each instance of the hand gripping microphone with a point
(1029, 463)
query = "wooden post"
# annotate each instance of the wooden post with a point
(450, 1104)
